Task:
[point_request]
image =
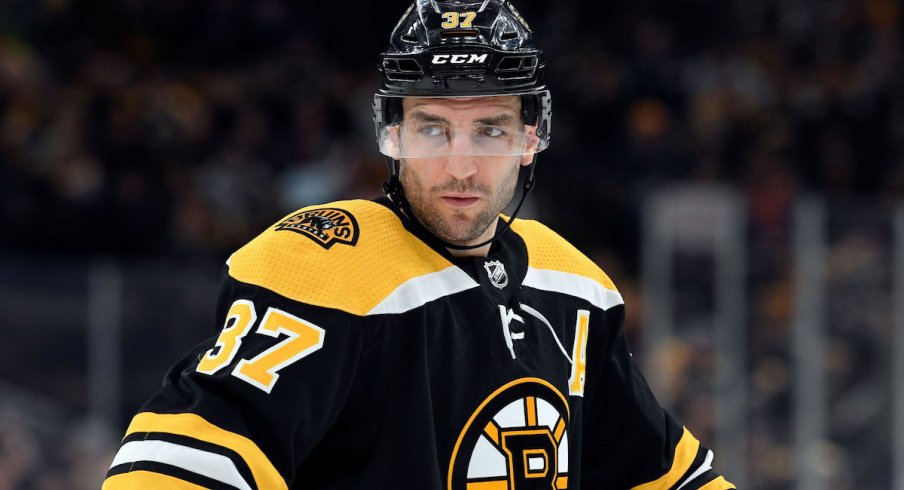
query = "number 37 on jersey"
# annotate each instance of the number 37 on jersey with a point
(262, 371)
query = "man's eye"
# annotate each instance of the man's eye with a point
(431, 131)
(492, 131)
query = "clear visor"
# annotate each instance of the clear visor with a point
(479, 126)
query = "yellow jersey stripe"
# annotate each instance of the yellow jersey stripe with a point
(147, 479)
(685, 452)
(489, 485)
(194, 426)
(719, 483)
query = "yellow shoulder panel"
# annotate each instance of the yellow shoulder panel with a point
(546, 249)
(346, 255)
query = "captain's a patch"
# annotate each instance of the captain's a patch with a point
(326, 226)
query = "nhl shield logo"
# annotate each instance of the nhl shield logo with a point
(496, 272)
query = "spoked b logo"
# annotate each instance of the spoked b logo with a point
(517, 439)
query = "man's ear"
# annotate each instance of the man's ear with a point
(531, 143)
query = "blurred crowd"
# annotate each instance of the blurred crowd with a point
(183, 128)
(54, 457)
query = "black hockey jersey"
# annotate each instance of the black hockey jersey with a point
(354, 352)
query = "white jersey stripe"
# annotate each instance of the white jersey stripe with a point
(573, 285)
(211, 465)
(420, 290)
(706, 466)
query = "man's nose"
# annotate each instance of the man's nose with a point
(461, 163)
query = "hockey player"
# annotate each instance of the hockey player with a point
(423, 340)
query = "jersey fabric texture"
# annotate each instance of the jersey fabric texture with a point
(354, 352)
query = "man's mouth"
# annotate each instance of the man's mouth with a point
(460, 201)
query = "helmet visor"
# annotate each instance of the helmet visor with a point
(487, 126)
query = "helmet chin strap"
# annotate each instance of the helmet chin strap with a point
(393, 190)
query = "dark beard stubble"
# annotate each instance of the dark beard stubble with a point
(427, 213)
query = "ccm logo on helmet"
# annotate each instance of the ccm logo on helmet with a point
(459, 59)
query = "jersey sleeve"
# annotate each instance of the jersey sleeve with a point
(247, 405)
(629, 440)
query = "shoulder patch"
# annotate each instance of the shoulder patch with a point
(325, 226)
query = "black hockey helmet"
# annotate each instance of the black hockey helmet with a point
(461, 48)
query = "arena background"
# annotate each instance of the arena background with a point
(736, 166)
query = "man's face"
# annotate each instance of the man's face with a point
(458, 196)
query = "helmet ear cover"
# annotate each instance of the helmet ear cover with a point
(530, 109)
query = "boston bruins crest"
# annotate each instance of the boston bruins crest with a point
(517, 439)
(326, 226)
